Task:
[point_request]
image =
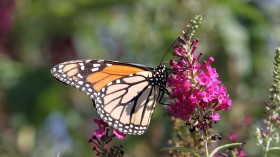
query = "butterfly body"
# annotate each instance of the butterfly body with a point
(124, 94)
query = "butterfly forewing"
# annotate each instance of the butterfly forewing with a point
(91, 75)
(125, 94)
(75, 73)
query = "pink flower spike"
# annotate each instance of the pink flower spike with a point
(194, 84)
(215, 117)
(119, 134)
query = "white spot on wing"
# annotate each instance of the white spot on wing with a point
(109, 84)
(96, 65)
(60, 66)
(79, 75)
(94, 69)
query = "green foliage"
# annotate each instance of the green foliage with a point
(183, 149)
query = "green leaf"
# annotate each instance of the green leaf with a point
(224, 147)
(274, 149)
(182, 149)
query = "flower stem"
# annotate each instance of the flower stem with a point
(206, 148)
(266, 148)
(268, 140)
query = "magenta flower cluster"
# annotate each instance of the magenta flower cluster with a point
(101, 139)
(195, 84)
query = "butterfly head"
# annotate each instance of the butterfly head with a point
(160, 76)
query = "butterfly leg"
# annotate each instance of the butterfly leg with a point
(166, 92)
(160, 100)
(173, 108)
(93, 104)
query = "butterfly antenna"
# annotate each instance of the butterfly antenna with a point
(168, 50)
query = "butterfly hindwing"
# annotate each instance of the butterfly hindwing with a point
(128, 103)
(125, 94)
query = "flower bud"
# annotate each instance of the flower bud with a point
(258, 136)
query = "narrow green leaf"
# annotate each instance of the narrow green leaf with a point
(182, 149)
(224, 147)
(274, 148)
(233, 154)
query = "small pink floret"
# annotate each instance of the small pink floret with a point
(119, 134)
(215, 117)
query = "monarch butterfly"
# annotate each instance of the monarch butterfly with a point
(124, 94)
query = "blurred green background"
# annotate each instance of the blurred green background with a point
(42, 117)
